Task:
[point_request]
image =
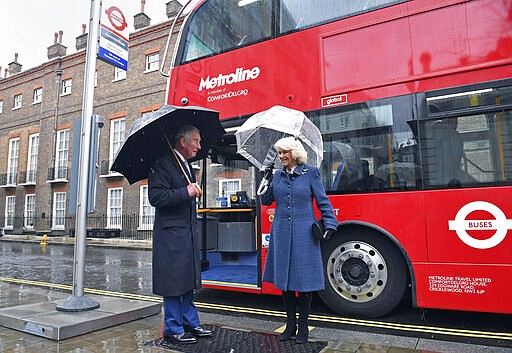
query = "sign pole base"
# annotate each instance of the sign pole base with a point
(76, 304)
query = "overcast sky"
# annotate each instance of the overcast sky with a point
(27, 27)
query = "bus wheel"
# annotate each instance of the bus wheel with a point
(365, 274)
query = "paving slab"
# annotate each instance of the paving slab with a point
(43, 319)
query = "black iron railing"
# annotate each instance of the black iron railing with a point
(130, 227)
(60, 173)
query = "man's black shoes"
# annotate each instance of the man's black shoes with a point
(199, 331)
(182, 338)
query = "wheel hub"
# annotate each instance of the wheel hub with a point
(357, 271)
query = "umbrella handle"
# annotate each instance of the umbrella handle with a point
(263, 187)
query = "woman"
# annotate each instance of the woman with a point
(294, 259)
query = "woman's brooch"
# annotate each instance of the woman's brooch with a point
(304, 171)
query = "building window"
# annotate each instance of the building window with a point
(227, 187)
(146, 211)
(66, 87)
(117, 127)
(1, 106)
(115, 208)
(17, 101)
(33, 151)
(119, 74)
(30, 211)
(152, 62)
(12, 163)
(59, 210)
(61, 161)
(38, 95)
(96, 78)
(9, 211)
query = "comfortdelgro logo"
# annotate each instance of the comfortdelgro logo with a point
(500, 224)
(239, 75)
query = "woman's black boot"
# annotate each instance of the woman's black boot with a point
(304, 308)
(289, 301)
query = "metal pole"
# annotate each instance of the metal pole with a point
(77, 301)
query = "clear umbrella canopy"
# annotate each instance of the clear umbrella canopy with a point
(256, 137)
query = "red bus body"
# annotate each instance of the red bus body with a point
(411, 47)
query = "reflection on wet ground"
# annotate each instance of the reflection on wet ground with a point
(113, 269)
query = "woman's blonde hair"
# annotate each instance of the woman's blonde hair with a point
(294, 146)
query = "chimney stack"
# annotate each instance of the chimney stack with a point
(5, 72)
(0, 72)
(15, 66)
(141, 20)
(56, 50)
(172, 9)
(81, 40)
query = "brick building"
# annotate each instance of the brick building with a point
(39, 109)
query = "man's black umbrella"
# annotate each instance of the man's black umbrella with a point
(146, 141)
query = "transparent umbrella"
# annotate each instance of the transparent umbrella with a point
(255, 139)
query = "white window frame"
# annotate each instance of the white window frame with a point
(66, 87)
(30, 211)
(117, 136)
(38, 95)
(146, 211)
(18, 101)
(61, 153)
(1, 106)
(225, 190)
(12, 162)
(152, 62)
(114, 208)
(10, 204)
(119, 74)
(33, 152)
(59, 211)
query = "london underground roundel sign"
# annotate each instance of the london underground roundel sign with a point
(500, 224)
(116, 18)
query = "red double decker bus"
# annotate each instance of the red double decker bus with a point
(414, 102)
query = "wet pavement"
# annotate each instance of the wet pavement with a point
(112, 266)
(144, 335)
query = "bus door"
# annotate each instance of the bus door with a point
(228, 221)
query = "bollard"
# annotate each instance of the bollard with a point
(44, 241)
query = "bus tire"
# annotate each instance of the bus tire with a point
(365, 274)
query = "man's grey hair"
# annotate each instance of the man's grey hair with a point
(294, 146)
(185, 132)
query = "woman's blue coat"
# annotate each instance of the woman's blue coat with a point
(294, 259)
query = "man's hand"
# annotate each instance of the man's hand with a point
(192, 190)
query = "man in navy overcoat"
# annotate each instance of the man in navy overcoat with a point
(176, 258)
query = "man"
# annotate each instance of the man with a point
(176, 258)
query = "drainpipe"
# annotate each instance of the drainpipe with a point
(54, 143)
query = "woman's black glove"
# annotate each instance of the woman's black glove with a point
(328, 233)
(269, 171)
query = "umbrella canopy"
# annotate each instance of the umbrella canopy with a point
(255, 139)
(146, 140)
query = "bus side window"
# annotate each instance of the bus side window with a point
(444, 149)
